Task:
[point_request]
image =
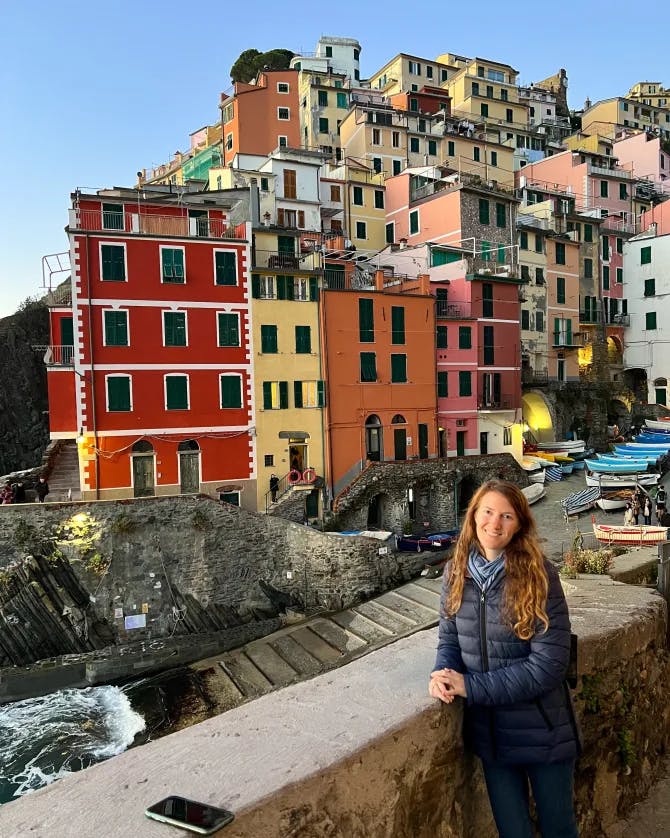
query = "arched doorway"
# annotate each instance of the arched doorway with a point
(189, 467)
(376, 512)
(373, 439)
(538, 418)
(661, 391)
(143, 468)
(399, 438)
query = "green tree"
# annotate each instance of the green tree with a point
(250, 62)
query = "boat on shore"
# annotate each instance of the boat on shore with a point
(566, 446)
(621, 481)
(533, 469)
(619, 467)
(580, 501)
(534, 492)
(662, 424)
(614, 501)
(607, 534)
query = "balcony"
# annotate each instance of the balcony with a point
(589, 318)
(277, 260)
(57, 356)
(563, 340)
(487, 403)
(535, 378)
(143, 224)
(59, 297)
(619, 320)
(615, 172)
(452, 311)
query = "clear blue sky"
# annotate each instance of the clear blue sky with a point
(90, 92)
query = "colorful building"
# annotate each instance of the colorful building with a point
(150, 369)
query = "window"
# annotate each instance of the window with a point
(335, 193)
(303, 340)
(414, 104)
(475, 88)
(282, 140)
(476, 154)
(263, 287)
(523, 240)
(432, 148)
(588, 233)
(379, 199)
(113, 262)
(172, 264)
(397, 325)
(525, 319)
(464, 383)
(342, 100)
(269, 339)
(414, 222)
(487, 299)
(465, 337)
(361, 230)
(501, 215)
(489, 352)
(283, 113)
(451, 148)
(604, 189)
(422, 126)
(484, 211)
(395, 139)
(228, 328)
(525, 273)
(507, 432)
(414, 144)
(174, 328)
(376, 136)
(231, 391)
(494, 158)
(650, 287)
(650, 320)
(415, 68)
(323, 125)
(539, 276)
(429, 72)
(623, 192)
(489, 91)
(268, 460)
(606, 247)
(323, 98)
(176, 392)
(282, 87)
(398, 368)
(509, 115)
(560, 289)
(538, 244)
(115, 328)
(560, 253)
(366, 322)
(442, 385)
(377, 164)
(309, 394)
(390, 233)
(606, 278)
(368, 366)
(118, 393)
(441, 337)
(619, 276)
(225, 267)
(645, 256)
(329, 52)
(397, 167)
(484, 109)
(300, 288)
(290, 183)
(358, 196)
(275, 395)
(619, 245)
(112, 216)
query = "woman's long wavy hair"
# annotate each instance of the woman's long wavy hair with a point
(526, 583)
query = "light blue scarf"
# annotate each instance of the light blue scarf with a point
(483, 571)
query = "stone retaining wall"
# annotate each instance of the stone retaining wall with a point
(363, 752)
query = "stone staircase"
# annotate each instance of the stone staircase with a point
(64, 474)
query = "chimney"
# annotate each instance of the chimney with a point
(379, 279)
(254, 203)
(403, 244)
(424, 283)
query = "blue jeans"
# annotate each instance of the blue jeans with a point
(552, 786)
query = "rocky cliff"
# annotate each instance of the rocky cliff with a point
(24, 425)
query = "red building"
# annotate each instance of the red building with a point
(150, 366)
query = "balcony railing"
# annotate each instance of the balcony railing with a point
(589, 318)
(535, 377)
(279, 261)
(562, 340)
(447, 311)
(614, 172)
(57, 356)
(619, 320)
(507, 402)
(61, 296)
(144, 224)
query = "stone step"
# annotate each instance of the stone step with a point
(296, 655)
(315, 645)
(270, 663)
(344, 641)
(361, 626)
(404, 607)
(384, 617)
(431, 599)
(248, 679)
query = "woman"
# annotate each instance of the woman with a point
(504, 646)
(647, 510)
(629, 516)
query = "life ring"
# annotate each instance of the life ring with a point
(294, 476)
(308, 475)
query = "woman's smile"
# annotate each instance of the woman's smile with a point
(496, 524)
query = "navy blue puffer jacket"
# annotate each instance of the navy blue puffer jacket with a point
(518, 708)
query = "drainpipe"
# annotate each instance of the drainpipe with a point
(327, 450)
(92, 382)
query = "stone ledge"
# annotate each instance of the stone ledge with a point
(359, 751)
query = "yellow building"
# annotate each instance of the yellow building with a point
(289, 393)
(409, 73)
(609, 116)
(324, 102)
(650, 93)
(593, 143)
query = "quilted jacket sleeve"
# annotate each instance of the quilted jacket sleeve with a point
(448, 649)
(543, 670)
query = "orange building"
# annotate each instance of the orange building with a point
(258, 118)
(378, 350)
(149, 367)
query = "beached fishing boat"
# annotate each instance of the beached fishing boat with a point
(607, 534)
(629, 450)
(612, 501)
(620, 481)
(580, 501)
(629, 458)
(534, 492)
(653, 438)
(662, 424)
(566, 446)
(566, 463)
(554, 473)
(620, 467)
(533, 469)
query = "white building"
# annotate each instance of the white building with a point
(335, 55)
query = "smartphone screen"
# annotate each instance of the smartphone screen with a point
(198, 817)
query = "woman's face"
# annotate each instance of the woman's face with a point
(496, 524)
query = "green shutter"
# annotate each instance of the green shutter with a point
(489, 351)
(175, 328)
(173, 264)
(281, 287)
(568, 332)
(303, 340)
(297, 393)
(606, 278)
(226, 273)
(366, 323)
(283, 395)
(523, 240)
(255, 286)
(484, 217)
(118, 393)
(442, 337)
(229, 333)
(313, 289)
(176, 392)
(501, 215)
(116, 328)
(557, 330)
(464, 337)
(321, 393)
(442, 385)
(464, 383)
(398, 324)
(368, 366)
(267, 395)
(269, 339)
(560, 289)
(290, 288)
(398, 368)
(113, 262)
(645, 256)
(231, 391)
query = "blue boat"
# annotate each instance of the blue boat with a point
(603, 467)
(580, 501)
(554, 474)
(661, 439)
(623, 458)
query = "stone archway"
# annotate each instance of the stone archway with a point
(538, 417)
(377, 508)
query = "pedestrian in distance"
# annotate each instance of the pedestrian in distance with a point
(635, 509)
(647, 510)
(504, 647)
(274, 486)
(42, 489)
(661, 500)
(629, 515)
(19, 492)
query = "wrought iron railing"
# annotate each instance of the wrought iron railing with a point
(57, 356)
(445, 310)
(287, 483)
(276, 260)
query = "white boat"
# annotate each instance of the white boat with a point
(534, 492)
(658, 424)
(621, 481)
(606, 534)
(567, 446)
(533, 469)
(612, 501)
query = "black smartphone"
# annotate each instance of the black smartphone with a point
(198, 817)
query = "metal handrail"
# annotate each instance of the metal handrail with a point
(141, 223)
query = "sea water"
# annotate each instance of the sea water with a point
(49, 737)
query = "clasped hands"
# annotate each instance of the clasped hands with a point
(446, 684)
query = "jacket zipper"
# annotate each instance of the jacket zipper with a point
(485, 667)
